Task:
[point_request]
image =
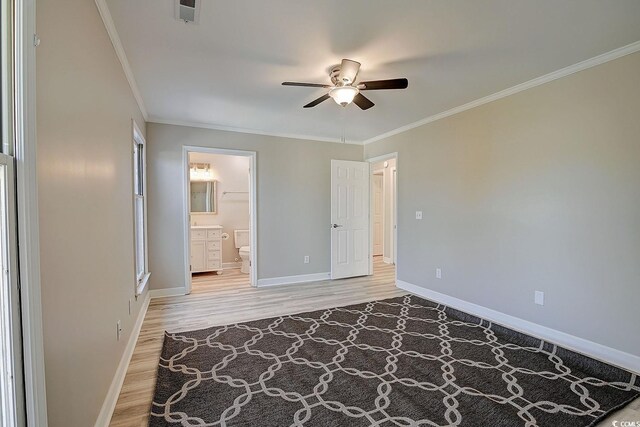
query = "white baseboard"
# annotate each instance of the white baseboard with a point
(169, 292)
(228, 265)
(104, 418)
(589, 348)
(286, 280)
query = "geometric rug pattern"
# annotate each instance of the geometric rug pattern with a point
(403, 361)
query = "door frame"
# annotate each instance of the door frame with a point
(377, 172)
(394, 212)
(373, 160)
(253, 209)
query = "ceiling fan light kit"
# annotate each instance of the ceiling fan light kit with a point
(343, 95)
(345, 90)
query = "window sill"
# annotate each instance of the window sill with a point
(142, 284)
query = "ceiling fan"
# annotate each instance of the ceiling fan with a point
(345, 90)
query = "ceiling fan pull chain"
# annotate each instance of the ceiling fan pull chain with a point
(342, 120)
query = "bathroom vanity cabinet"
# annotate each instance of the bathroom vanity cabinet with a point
(206, 248)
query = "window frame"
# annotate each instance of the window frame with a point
(12, 395)
(7, 77)
(13, 371)
(139, 175)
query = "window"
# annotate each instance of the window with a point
(12, 398)
(140, 210)
(6, 77)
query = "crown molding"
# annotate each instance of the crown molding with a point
(105, 14)
(155, 119)
(558, 74)
(563, 72)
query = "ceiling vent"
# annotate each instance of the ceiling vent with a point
(188, 11)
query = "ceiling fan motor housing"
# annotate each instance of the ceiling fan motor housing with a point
(334, 74)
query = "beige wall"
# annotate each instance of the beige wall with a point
(293, 192)
(536, 191)
(233, 211)
(84, 112)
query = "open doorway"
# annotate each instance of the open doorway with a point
(220, 218)
(383, 214)
(377, 214)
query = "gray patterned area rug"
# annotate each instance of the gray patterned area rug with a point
(398, 362)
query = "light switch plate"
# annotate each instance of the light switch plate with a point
(418, 214)
(539, 298)
(438, 273)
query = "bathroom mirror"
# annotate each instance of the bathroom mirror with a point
(204, 198)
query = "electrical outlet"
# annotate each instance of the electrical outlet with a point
(306, 259)
(438, 273)
(539, 297)
(118, 330)
(418, 214)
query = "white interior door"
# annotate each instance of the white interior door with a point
(349, 219)
(378, 216)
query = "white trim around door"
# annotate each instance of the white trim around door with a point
(394, 213)
(377, 174)
(253, 220)
(393, 258)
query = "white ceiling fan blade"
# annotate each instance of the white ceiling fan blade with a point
(348, 71)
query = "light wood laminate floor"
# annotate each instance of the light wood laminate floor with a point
(228, 298)
(224, 299)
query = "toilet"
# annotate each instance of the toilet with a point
(241, 238)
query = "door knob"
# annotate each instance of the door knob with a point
(335, 225)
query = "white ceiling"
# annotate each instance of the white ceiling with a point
(226, 71)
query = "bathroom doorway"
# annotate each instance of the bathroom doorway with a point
(219, 204)
(383, 214)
